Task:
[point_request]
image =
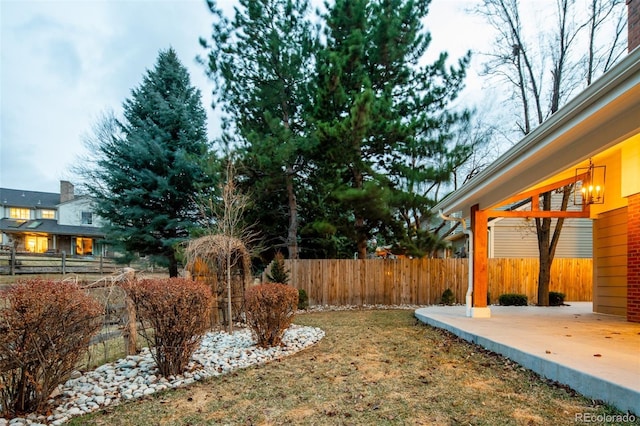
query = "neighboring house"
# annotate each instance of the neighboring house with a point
(600, 126)
(45, 222)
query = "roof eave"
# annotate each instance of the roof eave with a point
(607, 112)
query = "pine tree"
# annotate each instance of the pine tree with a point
(279, 273)
(260, 62)
(383, 121)
(147, 175)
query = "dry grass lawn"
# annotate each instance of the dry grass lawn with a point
(372, 368)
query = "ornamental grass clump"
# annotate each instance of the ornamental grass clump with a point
(270, 309)
(45, 327)
(174, 316)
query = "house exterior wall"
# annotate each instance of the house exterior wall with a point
(633, 258)
(630, 158)
(633, 24)
(610, 262)
(70, 213)
(616, 256)
(614, 198)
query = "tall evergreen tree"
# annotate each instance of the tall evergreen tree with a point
(383, 125)
(148, 175)
(261, 64)
(344, 120)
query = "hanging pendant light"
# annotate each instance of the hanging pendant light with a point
(589, 188)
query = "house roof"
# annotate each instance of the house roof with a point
(48, 226)
(29, 199)
(603, 115)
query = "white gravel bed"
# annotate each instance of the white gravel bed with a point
(136, 376)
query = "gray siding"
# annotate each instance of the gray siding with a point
(610, 263)
(516, 238)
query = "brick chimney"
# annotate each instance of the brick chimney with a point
(66, 191)
(633, 24)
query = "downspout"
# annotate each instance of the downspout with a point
(469, 234)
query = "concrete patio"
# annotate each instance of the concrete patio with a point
(597, 355)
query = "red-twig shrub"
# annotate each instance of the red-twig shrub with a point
(174, 313)
(45, 327)
(270, 309)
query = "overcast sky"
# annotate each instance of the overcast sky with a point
(65, 62)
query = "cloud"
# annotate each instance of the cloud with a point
(65, 62)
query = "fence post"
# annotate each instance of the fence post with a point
(64, 262)
(12, 260)
(131, 330)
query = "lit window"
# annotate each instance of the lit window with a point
(35, 244)
(87, 218)
(84, 246)
(48, 214)
(17, 213)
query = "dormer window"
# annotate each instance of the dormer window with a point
(47, 214)
(18, 213)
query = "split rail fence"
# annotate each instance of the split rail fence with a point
(25, 264)
(421, 281)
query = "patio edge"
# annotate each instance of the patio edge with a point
(589, 386)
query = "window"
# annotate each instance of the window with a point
(48, 214)
(87, 218)
(84, 246)
(35, 244)
(18, 213)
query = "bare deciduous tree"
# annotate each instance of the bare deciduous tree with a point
(226, 218)
(545, 67)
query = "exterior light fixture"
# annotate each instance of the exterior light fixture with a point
(589, 184)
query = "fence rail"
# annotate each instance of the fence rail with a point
(18, 264)
(422, 281)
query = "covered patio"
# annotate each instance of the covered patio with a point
(595, 354)
(598, 130)
(592, 347)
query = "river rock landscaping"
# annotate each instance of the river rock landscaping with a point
(136, 376)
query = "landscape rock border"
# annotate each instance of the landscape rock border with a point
(136, 376)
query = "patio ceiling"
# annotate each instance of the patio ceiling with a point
(604, 115)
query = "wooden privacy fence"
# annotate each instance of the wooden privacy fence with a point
(421, 281)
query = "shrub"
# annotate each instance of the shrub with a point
(278, 273)
(45, 327)
(448, 298)
(511, 299)
(177, 309)
(556, 298)
(270, 309)
(303, 299)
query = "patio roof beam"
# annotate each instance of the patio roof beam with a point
(539, 213)
(534, 193)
